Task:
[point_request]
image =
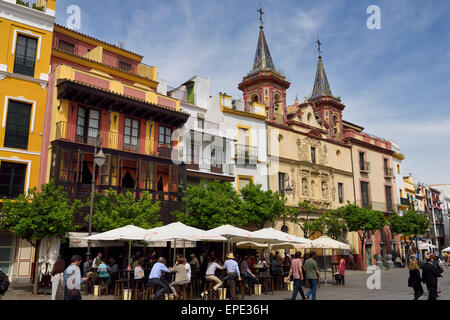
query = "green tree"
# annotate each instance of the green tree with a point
(112, 211)
(410, 224)
(363, 221)
(332, 224)
(308, 225)
(40, 215)
(259, 206)
(210, 206)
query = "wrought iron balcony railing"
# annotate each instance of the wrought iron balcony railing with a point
(246, 153)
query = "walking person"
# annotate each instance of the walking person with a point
(435, 261)
(211, 276)
(296, 271)
(58, 280)
(233, 274)
(342, 270)
(312, 275)
(73, 280)
(181, 276)
(415, 281)
(430, 274)
(155, 277)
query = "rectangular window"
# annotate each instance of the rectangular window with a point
(313, 155)
(243, 182)
(12, 179)
(365, 194)
(5, 251)
(124, 66)
(88, 126)
(341, 192)
(165, 137)
(388, 190)
(17, 125)
(201, 123)
(190, 95)
(216, 157)
(244, 137)
(362, 161)
(67, 46)
(131, 132)
(25, 58)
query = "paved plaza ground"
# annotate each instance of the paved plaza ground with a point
(393, 287)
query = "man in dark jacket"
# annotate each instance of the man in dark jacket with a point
(430, 275)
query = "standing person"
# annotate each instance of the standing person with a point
(181, 276)
(195, 265)
(113, 270)
(342, 270)
(211, 275)
(58, 280)
(430, 274)
(296, 271)
(97, 260)
(415, 281)
(233, 274)
(87, 267)
(188, 268)
(312, 275)
(73, 280)
(435, 261)
(155, 277)
(398, 261)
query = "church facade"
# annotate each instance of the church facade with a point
(323, 159)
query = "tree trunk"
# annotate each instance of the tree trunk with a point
(36, 268)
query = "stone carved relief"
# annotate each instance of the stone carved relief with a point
(324, 190)
(304, 150)
(305, 187)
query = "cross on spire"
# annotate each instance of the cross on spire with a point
(261, 13)
(318, 47)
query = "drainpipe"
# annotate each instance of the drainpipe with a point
(353, 171)
(267, 155)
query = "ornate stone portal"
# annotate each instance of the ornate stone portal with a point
(315, 184)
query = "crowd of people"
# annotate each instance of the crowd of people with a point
(155, 271)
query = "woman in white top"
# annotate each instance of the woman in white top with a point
(58, 280)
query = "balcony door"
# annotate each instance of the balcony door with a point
(17, 125)
(25, 59)
(88, 126)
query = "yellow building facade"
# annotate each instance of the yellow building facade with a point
(25, 49)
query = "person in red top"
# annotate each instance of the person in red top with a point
(296, 271)
(342, 270)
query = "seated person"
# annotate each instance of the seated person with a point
(103, 273)
(139, 276)
(181, 276)
(246, 273)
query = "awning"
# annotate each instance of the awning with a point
(77, 240)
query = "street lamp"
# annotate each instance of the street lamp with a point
(288, 190)
(99, 160)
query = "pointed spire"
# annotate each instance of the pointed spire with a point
(321, 85)
(263, 59)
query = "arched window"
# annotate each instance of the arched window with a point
(254, 99)
(336, 125)
(277, 101)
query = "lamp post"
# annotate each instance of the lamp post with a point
(286, 190)
(99, 160)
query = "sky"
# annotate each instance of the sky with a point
(394, 81)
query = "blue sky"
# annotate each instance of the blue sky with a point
(394, 81)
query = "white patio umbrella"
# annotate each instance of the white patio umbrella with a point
(326, 242)
(179, 231)
(128, 233)
(446, 249)
(276, 237)
(233, 234)
(251, 245)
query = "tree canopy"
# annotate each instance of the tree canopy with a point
(40, 215)
(112, 211)
(332, 224)
(260, 207)
(361, 219)
(211, 206)
(410, 223)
